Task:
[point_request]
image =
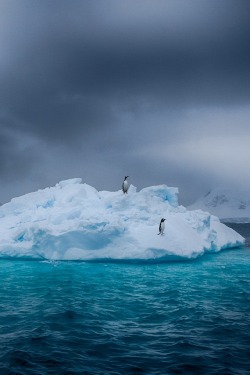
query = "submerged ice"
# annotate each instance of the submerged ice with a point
(73, 221)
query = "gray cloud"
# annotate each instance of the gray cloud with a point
(103, 89)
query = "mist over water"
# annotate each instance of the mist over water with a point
(189, 317)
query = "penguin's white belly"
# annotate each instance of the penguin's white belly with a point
(162, 227)
(125, 186)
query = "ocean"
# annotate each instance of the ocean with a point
(187, 317)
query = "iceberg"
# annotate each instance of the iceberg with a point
(74, 221)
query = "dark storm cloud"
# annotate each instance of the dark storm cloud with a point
(105, 79)
(17, 155)
(64, 66)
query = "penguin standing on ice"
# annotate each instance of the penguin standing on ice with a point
(161, 227)
(125, 185)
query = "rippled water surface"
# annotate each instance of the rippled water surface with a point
(115, 318)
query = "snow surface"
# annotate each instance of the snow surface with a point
(73, 221)
(227, 204)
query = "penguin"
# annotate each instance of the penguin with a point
(161, 227)
(125, 185)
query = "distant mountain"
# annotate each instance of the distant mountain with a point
(229, 205)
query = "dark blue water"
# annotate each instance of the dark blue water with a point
(115, 318)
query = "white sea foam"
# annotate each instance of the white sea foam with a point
(73, 221)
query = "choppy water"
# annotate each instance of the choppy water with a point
(96, 318)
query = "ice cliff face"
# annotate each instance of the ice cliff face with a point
(73, 221)
(226, 204)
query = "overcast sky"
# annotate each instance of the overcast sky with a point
(158, 90)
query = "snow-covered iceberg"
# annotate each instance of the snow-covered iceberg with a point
(73, 221)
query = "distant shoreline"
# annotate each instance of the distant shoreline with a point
(236, 220)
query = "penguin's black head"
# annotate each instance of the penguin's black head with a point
(126, 177)
(163, 220)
